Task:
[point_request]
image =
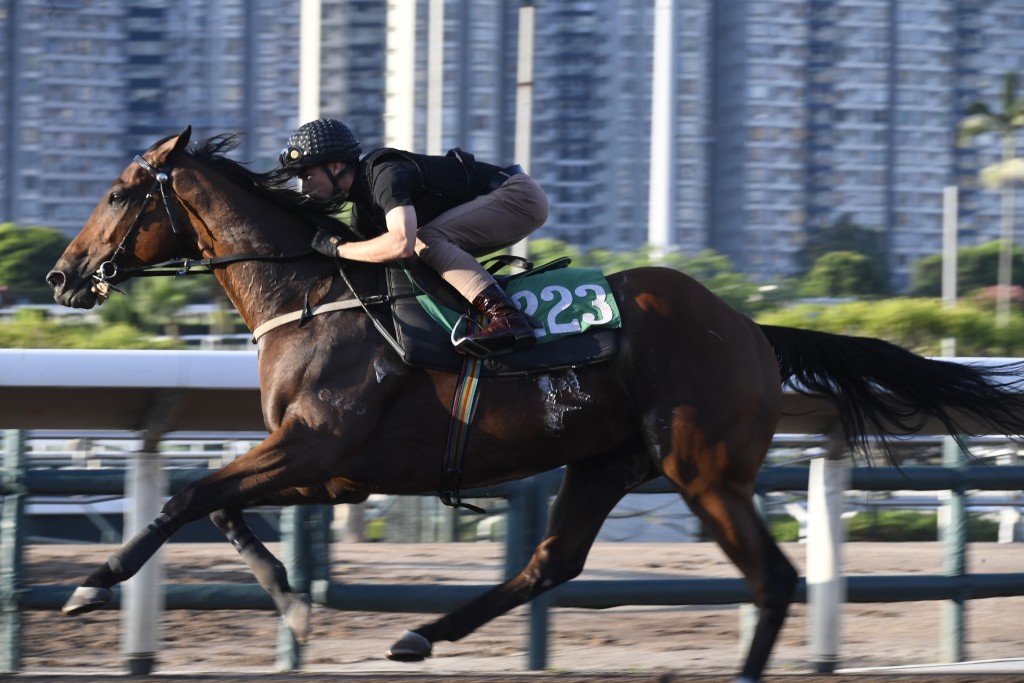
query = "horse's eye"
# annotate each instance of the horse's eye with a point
(117, 198)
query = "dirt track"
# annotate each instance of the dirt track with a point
(532, 678)
(620, 644)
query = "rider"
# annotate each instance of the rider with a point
(445, 209)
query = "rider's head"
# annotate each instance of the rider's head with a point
(320, 153)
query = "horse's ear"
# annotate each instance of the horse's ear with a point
(182, 141)
(169, 147)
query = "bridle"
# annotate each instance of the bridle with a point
(183, 266)
(109, 269)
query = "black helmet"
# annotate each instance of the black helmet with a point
(320, 142)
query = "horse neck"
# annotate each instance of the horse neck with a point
(231, 221)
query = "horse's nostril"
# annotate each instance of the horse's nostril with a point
(55, 279)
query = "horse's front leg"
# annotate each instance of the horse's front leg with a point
(285, 459)
(589, 491)
(270, 573)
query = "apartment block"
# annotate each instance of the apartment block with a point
(787, 116)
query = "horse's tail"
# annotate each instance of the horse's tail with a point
(886, 391)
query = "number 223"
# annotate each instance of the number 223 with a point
(598, 298)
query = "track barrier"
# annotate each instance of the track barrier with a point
(156, 393)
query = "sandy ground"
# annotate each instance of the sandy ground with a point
(640, 643)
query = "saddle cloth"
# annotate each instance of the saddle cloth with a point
(426, 342)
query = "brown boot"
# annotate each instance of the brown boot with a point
(506, 327)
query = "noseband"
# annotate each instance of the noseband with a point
(109, 269)
(175, 266)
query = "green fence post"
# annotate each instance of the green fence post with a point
(12, 545)
(296, 554)
(540, 607)
(953, 529)
(305, 551)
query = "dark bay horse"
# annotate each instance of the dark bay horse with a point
(694, 395)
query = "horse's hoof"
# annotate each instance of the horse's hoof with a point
(297, 617)
(411, 647)
(86, 599)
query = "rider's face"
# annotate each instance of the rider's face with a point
(317, 183)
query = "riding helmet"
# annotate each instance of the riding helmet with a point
(320, 142)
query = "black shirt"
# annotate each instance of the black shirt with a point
(386, 179)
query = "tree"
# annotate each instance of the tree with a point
(977, 267)
(980, 119)
(152, 302)
(711, 269)
(846, 235)
(843, 273)
(717, 273)
(915, 324)
(26, 255)
(30, 329)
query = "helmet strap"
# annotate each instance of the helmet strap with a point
(336, 178)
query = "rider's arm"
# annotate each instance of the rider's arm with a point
(398, 242)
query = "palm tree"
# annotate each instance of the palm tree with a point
(979, 120)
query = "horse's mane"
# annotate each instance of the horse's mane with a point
(273, 186)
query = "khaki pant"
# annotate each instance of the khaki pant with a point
(451, 242)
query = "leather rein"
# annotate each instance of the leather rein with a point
(109, 269)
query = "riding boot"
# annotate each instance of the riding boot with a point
(507, 326)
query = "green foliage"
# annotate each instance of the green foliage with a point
(976, 268)
(908, 525)
(890, 526)
(30, 329)
(915, 324)
(152, 301)
(845, 235)
(844, 273)
(26, 255)
(784, 528)
(711, 269)
(980, 119)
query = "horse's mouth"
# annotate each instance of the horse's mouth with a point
(73, 293)
(83, 297)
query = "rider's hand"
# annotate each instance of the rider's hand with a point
(326, 243)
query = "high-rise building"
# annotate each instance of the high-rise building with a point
(825, 111)
(788, 116)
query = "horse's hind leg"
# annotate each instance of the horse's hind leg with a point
(729, 515)
(270, 573)
(588, 493)
(268, 570)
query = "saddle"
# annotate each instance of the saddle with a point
(421, 302)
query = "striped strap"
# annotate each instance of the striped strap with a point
(463, 406)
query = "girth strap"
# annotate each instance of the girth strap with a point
(463, 406)
(305, 313)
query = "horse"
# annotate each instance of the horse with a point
(694, 395)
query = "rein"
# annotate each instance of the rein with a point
(108, 269)
(173, 267)
(184, 266)
(464, 400)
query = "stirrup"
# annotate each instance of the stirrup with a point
(463, 343)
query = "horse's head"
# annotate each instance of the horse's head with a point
(133, 225)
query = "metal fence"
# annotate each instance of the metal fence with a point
(527, 510)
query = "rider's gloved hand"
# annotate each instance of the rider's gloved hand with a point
(326, 243)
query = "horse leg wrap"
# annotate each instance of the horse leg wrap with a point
(122, 565)
(130, 557)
